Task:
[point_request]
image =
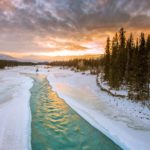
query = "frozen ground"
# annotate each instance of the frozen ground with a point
(14, 111)
(104, 85)
(125, 122)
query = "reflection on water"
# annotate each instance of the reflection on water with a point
(55, 126)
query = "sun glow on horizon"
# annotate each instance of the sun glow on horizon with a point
(62, 53)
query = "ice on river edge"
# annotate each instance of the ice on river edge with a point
(124, 122)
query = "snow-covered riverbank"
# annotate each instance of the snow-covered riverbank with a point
(125, 122)
(14, 111)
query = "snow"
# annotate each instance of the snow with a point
(104, 85)
(14, 111)
(125, 122)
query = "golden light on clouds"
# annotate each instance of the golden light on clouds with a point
(64, 28)
(66, 53)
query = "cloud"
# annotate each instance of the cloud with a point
(82, 21)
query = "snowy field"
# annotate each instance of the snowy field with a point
(125, 122)
(14, 111)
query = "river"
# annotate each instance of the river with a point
(56, 126)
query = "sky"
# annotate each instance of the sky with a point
(67, 27)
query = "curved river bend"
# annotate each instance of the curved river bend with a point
(56, 126)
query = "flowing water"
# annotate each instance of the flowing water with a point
(56, 126)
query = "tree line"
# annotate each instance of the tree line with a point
(127, 63)
(80, 64)
(9, 63)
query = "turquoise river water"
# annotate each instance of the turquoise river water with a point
(56, 126)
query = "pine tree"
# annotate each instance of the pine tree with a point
(142, 70)
(122, 54)
(114, 63)
(133, 82)
(129, 65)
(107, 60)
(148, 51)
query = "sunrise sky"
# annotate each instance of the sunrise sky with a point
(67, 27)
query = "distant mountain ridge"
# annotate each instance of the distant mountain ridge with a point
(11, 58)
(7, 57)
